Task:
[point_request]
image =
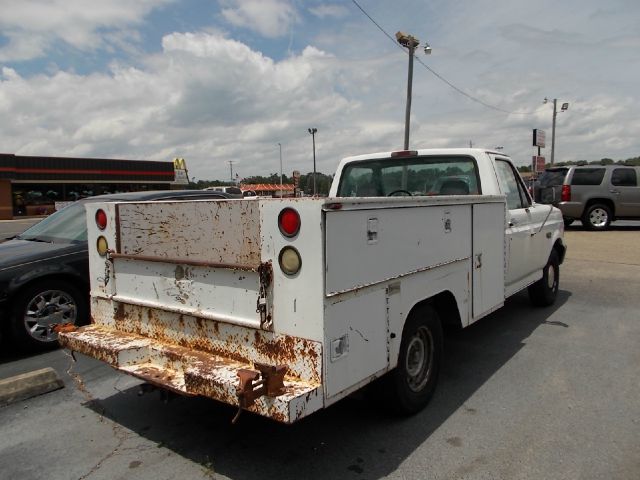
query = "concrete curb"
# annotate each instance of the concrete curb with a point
(27, 385)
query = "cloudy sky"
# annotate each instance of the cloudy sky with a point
(227, 80)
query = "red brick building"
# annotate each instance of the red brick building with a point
(31, 185)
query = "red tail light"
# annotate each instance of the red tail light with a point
(289, 222)
(101, 219)
(565, 196)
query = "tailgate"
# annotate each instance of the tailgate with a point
(200, 258)
(183, 298)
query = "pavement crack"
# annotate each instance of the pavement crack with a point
(118, 432)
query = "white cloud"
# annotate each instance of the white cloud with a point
(270, 18)
(206, 98)
(32, 26)
(333, 10)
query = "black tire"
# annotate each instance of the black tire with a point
(597, 217)
(412, 383)
(41, 305)
(544, 292)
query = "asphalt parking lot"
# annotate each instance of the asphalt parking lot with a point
(526, 394)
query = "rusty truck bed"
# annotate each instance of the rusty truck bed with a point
(195, 356)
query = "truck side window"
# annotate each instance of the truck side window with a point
(511, 186)
(624, 177)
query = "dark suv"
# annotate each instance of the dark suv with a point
(595, 194)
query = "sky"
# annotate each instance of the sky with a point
(228, 84)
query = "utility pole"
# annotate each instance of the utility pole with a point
(313, 132)
(410, 43)
(564, 108)
(280, 145)
(231, 167)
(553, 130)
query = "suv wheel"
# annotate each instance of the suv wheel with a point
(597, 217)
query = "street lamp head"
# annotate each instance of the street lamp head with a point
(313, 130)
(546, 100)
(427, 49)
(565, 107)
(407, 40)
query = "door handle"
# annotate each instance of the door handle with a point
(617, 192)
(512, 223)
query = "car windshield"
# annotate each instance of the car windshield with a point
(68, 225)
(551, 178)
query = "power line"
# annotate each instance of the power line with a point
(437, 75)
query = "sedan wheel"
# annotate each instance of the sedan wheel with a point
(39, 308)
(47, 309)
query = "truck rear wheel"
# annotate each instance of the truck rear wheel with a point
(414, 380)
(544, 292)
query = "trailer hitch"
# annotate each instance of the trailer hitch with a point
(265, 380)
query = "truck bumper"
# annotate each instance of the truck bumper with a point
(213, 370)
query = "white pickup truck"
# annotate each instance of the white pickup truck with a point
(284, 306)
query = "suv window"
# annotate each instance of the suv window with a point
(587, 176)
(624, 177)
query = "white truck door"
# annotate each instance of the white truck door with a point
(524, 249)
(488, 257)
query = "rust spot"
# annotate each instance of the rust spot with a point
(119, 315)
(64, 328)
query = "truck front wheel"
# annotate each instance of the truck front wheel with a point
(544, 292)
(414, 380)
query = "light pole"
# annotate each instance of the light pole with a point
(313, 132)
(410, 43)
(280, 145)
(563, 108)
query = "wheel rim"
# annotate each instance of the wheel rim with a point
(551, 277)
(419, 359)
(47, 309)
(598, 217)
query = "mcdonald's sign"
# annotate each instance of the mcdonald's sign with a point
(179, 164)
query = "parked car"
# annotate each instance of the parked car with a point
(594, 194)
(232, 190)
(44, 272)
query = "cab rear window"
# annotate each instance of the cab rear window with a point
(428, 175)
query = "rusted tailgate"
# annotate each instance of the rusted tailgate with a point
(211, 370)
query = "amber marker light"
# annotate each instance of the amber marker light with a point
(102, 245)
(290, 261)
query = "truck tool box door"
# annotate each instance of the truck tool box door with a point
(370, 253)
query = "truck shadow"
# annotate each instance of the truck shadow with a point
(353, 437)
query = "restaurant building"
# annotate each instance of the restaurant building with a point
(32, 185)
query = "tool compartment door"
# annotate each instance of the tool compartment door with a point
(370, 252)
